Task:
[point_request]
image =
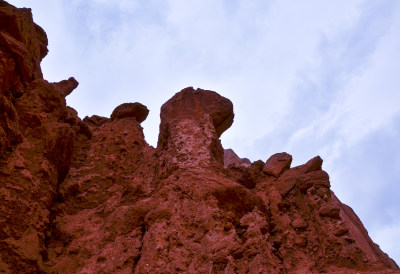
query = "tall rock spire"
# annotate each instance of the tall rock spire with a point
(191, 123)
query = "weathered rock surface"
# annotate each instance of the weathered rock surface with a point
(92, 196)
(231, 158)
(134, 110)
(191, 123)
(277, 164)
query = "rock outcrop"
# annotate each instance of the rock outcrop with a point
(191, 123)
(277, 164)
(91, 196)
(232, 159)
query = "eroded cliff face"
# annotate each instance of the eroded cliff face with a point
(91, 196)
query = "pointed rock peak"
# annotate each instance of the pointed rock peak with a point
(314, 164)
(130, 110)
(231, 158)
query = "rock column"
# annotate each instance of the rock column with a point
(191, 123)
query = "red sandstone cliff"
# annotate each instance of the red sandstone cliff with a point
(92, 196)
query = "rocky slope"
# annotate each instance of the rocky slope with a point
(91, 196)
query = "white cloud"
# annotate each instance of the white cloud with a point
(367, 99)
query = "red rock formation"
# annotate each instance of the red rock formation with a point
(277, 164)
(92, 196)
(191, 123)
(231, 159)
(134, 110)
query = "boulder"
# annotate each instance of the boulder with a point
(330, 210)
(277, 164)
(130, 110)
(318, 178)
(299, 223)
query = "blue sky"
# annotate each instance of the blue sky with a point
(310, 78)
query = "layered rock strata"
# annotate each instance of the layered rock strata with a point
(91, 196)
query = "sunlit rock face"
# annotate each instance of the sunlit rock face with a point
(91, 196)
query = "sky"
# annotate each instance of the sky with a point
(310, 78)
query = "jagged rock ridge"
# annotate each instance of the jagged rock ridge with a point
(91, 196)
